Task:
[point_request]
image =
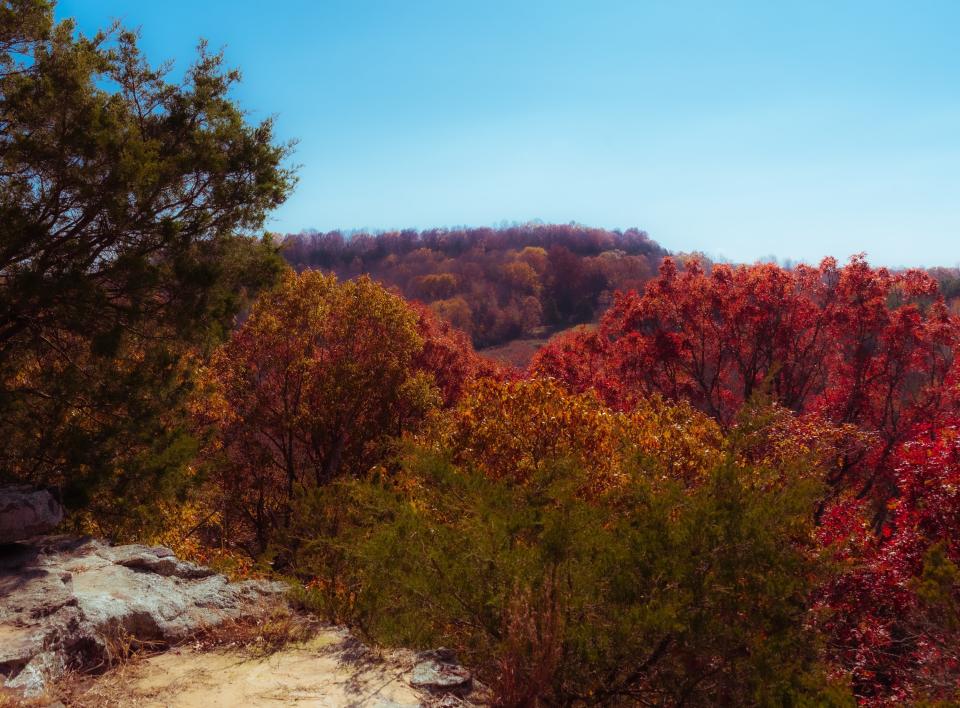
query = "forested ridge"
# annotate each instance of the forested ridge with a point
(500, 284)
(740, 487)
(495, 284)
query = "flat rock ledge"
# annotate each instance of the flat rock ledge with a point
(65, 602)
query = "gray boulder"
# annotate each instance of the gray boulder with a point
(27, 512)
(65, 601)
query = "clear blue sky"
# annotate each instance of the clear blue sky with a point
(741, 129)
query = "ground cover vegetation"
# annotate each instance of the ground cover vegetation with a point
(739, 487)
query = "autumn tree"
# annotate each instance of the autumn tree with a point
(892, 609)
(127, 203)
(314, 384)
(512, 429)
(861, 346)
(449, 356)
(574, 554)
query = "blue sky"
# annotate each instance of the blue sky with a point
(742, 129)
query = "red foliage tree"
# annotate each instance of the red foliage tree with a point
(861, 345)
(448, 355)
(893, 611)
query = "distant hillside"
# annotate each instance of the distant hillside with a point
(949, 281)
(498, 285)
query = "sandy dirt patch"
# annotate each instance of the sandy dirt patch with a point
(332, 669)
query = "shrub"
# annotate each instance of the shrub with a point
(660, 593)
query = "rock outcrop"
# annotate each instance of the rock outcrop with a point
(437, 672)
(26, 512)
(78, 603)
(66, 602)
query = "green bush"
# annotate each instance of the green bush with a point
(650, 594)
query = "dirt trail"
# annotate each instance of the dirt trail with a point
(330, 670)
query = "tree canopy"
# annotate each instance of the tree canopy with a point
(128, 204)
(314, 385)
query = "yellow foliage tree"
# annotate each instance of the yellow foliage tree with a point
(513, 429)
(313, 385)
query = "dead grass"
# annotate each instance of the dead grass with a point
(262, 634)
(8, 701)
(121, 647)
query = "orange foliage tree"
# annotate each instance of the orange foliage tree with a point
(314, 384)
(514, 430)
